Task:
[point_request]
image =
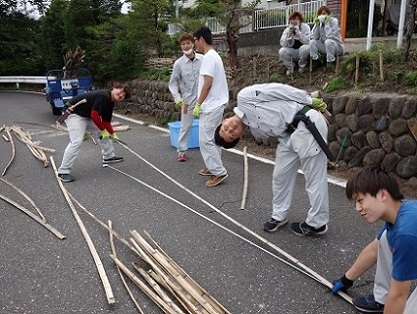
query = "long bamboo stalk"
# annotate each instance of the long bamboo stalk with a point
(113, 250)
(99, 265)
(55, 232)
(13, 151)
(245, 177)
(25, 196)
(293, 260)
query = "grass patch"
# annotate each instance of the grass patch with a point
(335, 84)
(410, 78)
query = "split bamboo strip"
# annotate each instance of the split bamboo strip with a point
(179, 291)
(2, 128)
(113, 250)
(164, 284)
(59, 127)
(93, 251)
(101, 223)
(121, 128)
(58, 234)
(182, 280)
(13, 151)
(295, 262)
(5, 138)
(25, 137)
(152, 295)
(25, 196)
(159, 291)
(220, 308)
(245, 177)
(115, 123)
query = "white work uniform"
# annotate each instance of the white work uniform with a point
(291, 50)
(267, 109)
(212, 110)
(184, 85)
(326, 38)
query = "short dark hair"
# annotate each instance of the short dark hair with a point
(220, 140)
(294, 15)
(126, 89)
(204, 32)
(372, 179)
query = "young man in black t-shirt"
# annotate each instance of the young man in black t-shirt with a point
(95, 116)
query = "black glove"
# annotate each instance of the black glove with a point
(342, 284)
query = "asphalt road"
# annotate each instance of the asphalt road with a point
(42, 274)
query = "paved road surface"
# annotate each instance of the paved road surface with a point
(41, 274)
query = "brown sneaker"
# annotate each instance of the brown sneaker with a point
(215, 180)
(205, 172)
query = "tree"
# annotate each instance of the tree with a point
(409, 29)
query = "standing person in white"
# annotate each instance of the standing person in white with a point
(213, 95)
(294, 43)
(183, 86)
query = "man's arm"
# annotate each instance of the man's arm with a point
(208, 81)
(397, 297)
(174, 86)
(365, 260)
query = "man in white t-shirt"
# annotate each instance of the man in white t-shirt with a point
(213, 95)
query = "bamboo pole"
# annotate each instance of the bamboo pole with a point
(93, 251)
(357, 69)
(13, 151)
(113, 250)
(152, 295)
(293, 260)
(55, 232)
(381, 66)
(25, 196)
(245, 178)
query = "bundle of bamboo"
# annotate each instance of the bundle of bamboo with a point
(168, 281)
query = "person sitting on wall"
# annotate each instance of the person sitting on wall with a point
(325, 37)
(294, 43)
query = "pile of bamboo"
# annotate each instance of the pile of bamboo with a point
(167, 284)
(38, 151)
(159, 63)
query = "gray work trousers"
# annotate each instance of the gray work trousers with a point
(296, 151)
(382, 282)
(77, 126)
(290, 55)
(212, 153)
(330, 47)
(186, 124)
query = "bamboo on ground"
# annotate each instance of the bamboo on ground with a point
(58, 234)
(13, 151)
(93, 251)
(113, 249)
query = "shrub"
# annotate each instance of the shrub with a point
(410, 78)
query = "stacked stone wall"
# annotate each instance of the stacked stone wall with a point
(363, 130)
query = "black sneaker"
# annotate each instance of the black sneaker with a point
(302, 229)
(112, 160)
(66, 177)
(272, 225)
(368, 304)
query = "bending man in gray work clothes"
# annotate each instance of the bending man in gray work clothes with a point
(278, 110)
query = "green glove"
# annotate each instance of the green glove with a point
(317, 21)
(179, 102)
(196, 110)
(318, 104)
(114, 136)
(105, 135)
(327, 19)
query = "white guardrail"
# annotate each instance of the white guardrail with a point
(23, 79)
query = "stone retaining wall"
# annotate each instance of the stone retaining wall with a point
(364, 129)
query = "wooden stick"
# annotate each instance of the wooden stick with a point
(337, 65)
(152, 295)
(357, 69)
(93, 251)
(55, 232)
(310, 70)
(25, 196)
(381, 66)
(295, 261)
(13, 151)
(245, 178)
(113, 250)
